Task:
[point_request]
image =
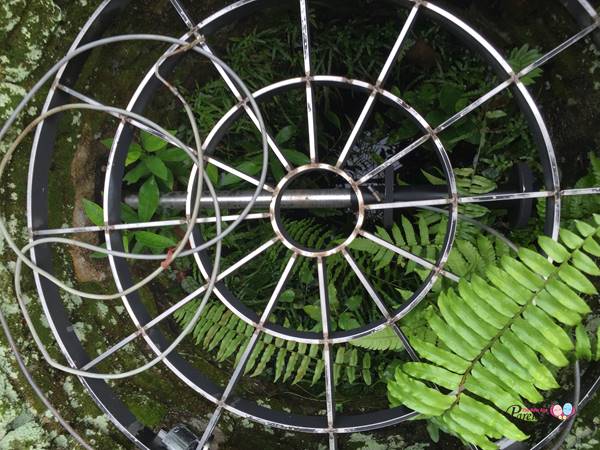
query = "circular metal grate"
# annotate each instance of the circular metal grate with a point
(354, 190)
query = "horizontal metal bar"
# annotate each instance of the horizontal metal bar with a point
(305, 198)
(580, 191)
(142, 225)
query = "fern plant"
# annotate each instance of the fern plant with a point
(221, 331)
(501, 340)
(581, 206)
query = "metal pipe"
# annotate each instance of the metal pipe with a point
(294, 198)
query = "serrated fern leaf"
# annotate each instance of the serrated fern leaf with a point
(500, 338)
(221, 331)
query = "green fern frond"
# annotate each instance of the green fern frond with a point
(582, 206)
(500, 338)
(381, 340)
(221, 331)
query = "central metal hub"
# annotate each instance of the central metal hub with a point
(357, 200)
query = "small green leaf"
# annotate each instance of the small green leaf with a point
(172, 154)
(347, 321)
(285, 134)
(152, 143)
(353, 303)
(154, 240)
(213, 173)
(576, 279)
(313, 311)
(148, 198)
(295, 157)
(128, 214)
(94, 212)
(133, 154)
(497, 114)
(139, 171)
(583, 346)
(157, 167)
(287, 296)
(247, 167)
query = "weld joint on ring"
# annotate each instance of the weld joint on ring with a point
(514, 77)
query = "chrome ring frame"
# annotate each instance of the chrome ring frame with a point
(57, 315)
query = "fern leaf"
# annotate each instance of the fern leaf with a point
(501, 340)
(384, 339)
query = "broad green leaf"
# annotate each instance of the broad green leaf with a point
(557, 309)
(490, 416)
(94, 212)
(576, 279)
(157, 167)
(128, 214)
(285, 134)
(553, 249)
(522, 387)
(134, 175)
(479, 307)
(584, 263)
(522, 274)
(148, 198)
(172, 154)
(536, 262)
(247, 167)
(567, 296)
(154, 240)
(548, 328)
(453, 340)
(542, 377)
(570, 239)
(592, 247)
(133, 154)
(151, 143)
(295, 157)
(313, 311)
(536, 341)
(213, 173)
(429, 372)
(504, 282)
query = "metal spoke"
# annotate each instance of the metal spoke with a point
(589, 8)
(504, 197)
(558, 49)
(138, 225)
(247, 351)
(381, 306)
(220, 164)
(310, 95)
(327, 356)
(580, 191)
(409, 204)
(272, 144)
(184, 301)
(473, 106)
(183, 14)
(481, 100)
(394, 159)
(410, 256)
(383, 75)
